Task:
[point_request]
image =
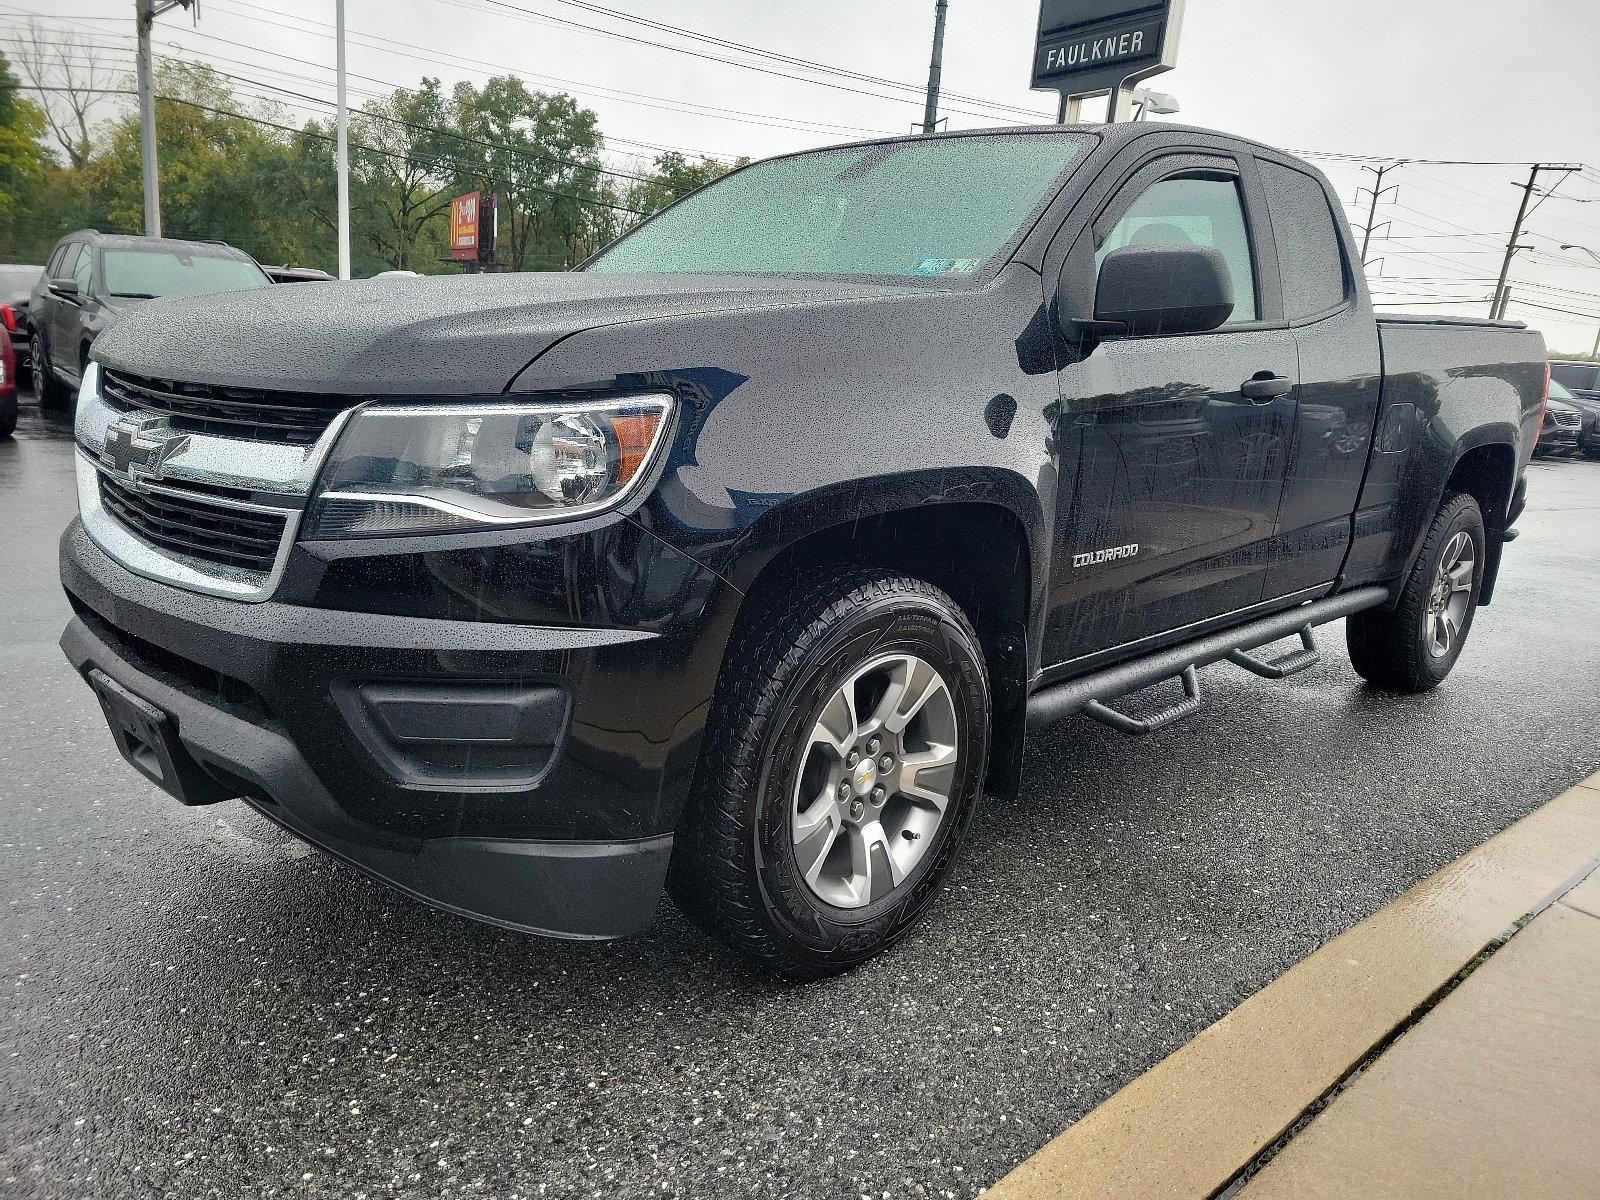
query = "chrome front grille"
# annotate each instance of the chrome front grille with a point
(197, 486)
(1567, 420)
(197, 528)
(247, 413)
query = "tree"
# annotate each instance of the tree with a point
(22, 159)
(541, 154)
(674, 177)
(71, 78)
(402, 175)
(222, 168)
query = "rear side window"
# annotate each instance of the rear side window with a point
(1309, 254)
(1192, 211)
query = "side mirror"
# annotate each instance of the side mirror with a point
(1162, 289)
(67, 289)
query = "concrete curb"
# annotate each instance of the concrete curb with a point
(1191, 1124)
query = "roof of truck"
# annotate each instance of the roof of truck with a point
(1116, 135)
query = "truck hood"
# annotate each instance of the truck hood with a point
(438, 335)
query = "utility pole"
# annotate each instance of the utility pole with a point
(1377, 189)
(145, 13)
(143, 16)
(342, 144)
(1497, 306)
(930, 112)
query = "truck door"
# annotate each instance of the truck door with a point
(1341, 376)
(1171, 473)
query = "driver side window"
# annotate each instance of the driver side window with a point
(1192, 211)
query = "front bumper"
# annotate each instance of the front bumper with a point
(1560, 440)
(295, 709)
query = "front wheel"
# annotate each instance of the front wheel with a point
(842, 763)
(1413, 646)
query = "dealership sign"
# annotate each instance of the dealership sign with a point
(1089, 46)
(472, 227)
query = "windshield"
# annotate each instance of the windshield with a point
(942, 207)
(1557, 392)
(1581, 376)
(175, 273)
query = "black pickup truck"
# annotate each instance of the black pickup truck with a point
(738, 562)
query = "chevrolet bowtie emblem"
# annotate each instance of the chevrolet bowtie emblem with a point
(139, 448)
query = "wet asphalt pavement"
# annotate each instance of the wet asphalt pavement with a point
(198, 1006)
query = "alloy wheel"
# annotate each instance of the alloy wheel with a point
(1450, 595)
(875, 780)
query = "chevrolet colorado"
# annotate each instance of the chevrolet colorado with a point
(738, 562)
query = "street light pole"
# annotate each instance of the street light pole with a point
(342, 144)
(930, 111)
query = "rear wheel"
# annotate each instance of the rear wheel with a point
(52, 392)
(8, 414)
(1413, 646)
(842, 763)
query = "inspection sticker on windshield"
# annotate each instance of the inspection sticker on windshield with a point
(945, 266)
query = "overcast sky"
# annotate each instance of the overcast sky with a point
(1499, 81)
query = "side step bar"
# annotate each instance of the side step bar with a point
(1088, 693)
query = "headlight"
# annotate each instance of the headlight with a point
(409, 468)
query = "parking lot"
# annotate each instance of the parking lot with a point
(204, 1006)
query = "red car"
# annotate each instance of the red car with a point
(8, 384)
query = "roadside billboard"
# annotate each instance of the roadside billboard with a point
(472, 227)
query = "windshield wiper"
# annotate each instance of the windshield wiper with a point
(134, 295)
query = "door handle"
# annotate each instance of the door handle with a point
(1263, 386)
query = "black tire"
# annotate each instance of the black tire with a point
(1390, 648)
(52, 392)
(734, 871)
(8, 415)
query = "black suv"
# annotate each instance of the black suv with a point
(92, 280)
(1582, 379)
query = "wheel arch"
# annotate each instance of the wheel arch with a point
(972, 544)
(1487, 471)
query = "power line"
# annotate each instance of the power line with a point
(688, 107)
(628, 37)
(524, 152)
(432, 55)
(845, 72)
(322, 137)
